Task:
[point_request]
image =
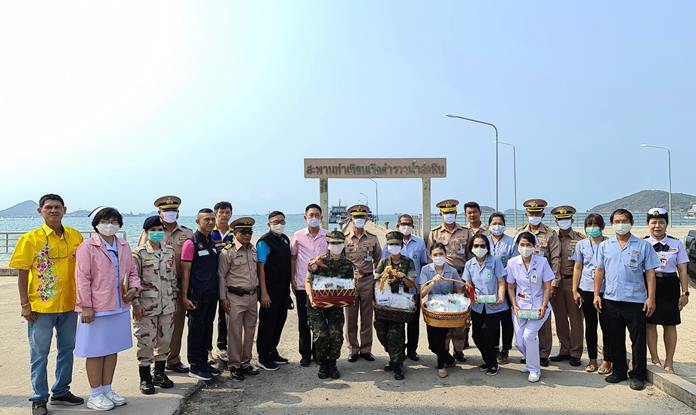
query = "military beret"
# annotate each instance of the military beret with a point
(448, 205)
(563, 212)
(535, 205)
(242, 223)
(358, 210)
(335, 237)
(151, 222)
(167, 202)
(395, 237)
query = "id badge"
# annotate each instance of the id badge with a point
(634, 258)
(461, 249)
(534, 278)
(203, 252)
(489, 275)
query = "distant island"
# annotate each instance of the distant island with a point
(27, 209)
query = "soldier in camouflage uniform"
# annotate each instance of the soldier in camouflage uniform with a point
(327, 323)
(153, 308)
(392, 334)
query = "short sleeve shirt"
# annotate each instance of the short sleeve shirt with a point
(624, 268)
(529, 283)
(671, 253)
(585, 253)
(443, 287)
(485, 281)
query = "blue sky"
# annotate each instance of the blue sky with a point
(119, 102)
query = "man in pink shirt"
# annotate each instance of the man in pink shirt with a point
(307, 244)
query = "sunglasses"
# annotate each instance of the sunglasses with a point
(479, 246)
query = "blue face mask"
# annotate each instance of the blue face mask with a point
(155, 236)
(593, 232)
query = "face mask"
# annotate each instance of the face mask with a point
(449, 218)
(593, 232)
(155, 236)
(278, 228)
(394, 249)
(313, 222)
(359, 223)
(480, 252)
(170, 216)
(405, 229)
(565, 224)
(336, 249)
(534, 220)
(497, 229)
(526, 251)
(621, 228)
(107, 229)
(439, 261)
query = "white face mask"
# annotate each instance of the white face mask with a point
(359, 223)
(479, 252)
(278, 228)
(336, 249)
(170, 216)
(107, 229)
(449, 218)
(439, 261)
(313, 222)
(497, 229)
(405, 229)
(394, 249)
(526, 251)
(565, 224)
(534, 220)
(621, 228)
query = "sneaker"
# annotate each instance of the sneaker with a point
(100, 403)
(615, 378)
(544, 362)
(236, 374)
(114, 397)
(279, 360)
(38, 408)
(268, 365)
(636, 384)
(524, 369)
(67, 399)
(503, 357)
(199, 374)
(534, 377)
(222, 355)
(492, 371)
(212, 370)
(250, 370)
(460, 357)
(483, 368)
(178, 368)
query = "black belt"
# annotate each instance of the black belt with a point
(241, 291)
(666, 274)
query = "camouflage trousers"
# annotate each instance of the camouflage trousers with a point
(327, 331)
(153, 333)
(393, 337)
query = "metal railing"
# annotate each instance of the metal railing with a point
(8, 240)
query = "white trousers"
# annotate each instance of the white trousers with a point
(527, 339)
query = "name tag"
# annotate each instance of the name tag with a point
(203, 252)
(534, 278)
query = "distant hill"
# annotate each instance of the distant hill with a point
(78, 214)
(646, 199)
(26, 209)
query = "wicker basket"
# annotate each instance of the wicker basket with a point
(397, 315)
(447, 320)
(333, 297)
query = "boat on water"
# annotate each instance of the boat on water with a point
(691, 213)
(338, 213)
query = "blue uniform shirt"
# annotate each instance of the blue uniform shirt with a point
(504, 249)
(414, 248)
(585, 252)
(485, 280)
(624, 268)
(442, 287)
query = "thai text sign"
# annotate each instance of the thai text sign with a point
(348, 168)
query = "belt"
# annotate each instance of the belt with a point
(666, 274)
(567, 275)
(241, 291)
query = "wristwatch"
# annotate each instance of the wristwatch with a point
(686, 293)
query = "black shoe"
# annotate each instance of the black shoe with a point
(159, 378)
(413, 356)
(353, 357)
(38, 408)
(615, 378)
(250, 370)
(559, 358)
(460, 357)
(503, 357)
(367, 356)
(544, 362)
(324, 371)
(388, 367)
(178, 368)
(333, 370)
(398, 371)
(67, 399)
(483, 367)
(236, 374)
(147, 387)
(466, 343)
(636, 384)
(492, 371)
(575, 361)
(523, 361)
(212, 370)
(268, 365)
(305, 361)
(279, 360)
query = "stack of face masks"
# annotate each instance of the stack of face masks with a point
(448, 303)
(386, 298)
(320, 282)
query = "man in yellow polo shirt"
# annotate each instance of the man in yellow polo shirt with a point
(45, 259)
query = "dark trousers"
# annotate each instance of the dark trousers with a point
(413, 330)
(200, 328)
(591, 320)
(507, 328)
(302, 324)
(271, 323)
(486, 331)
(436, 343)
(621, 315)
(222, 328)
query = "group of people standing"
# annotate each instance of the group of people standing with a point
(87, 290)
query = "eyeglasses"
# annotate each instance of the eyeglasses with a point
(479, 246)
(278, 222)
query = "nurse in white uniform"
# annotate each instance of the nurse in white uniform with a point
(529, 288)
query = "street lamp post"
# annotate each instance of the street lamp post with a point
(496, 149)
(367, 200)
(376, 200)
(514, 176)
(669, 175)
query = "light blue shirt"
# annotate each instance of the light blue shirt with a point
(262, 251)
(624, 268)
(485, 280)
(585, 252)
(415, 249)
(443, 287)
(113, 254)
(504, 249)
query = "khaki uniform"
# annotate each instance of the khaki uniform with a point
(482, 229)
(237, 268)
(364, 252)
(564, 308)
(549, 246)
(157, 298)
